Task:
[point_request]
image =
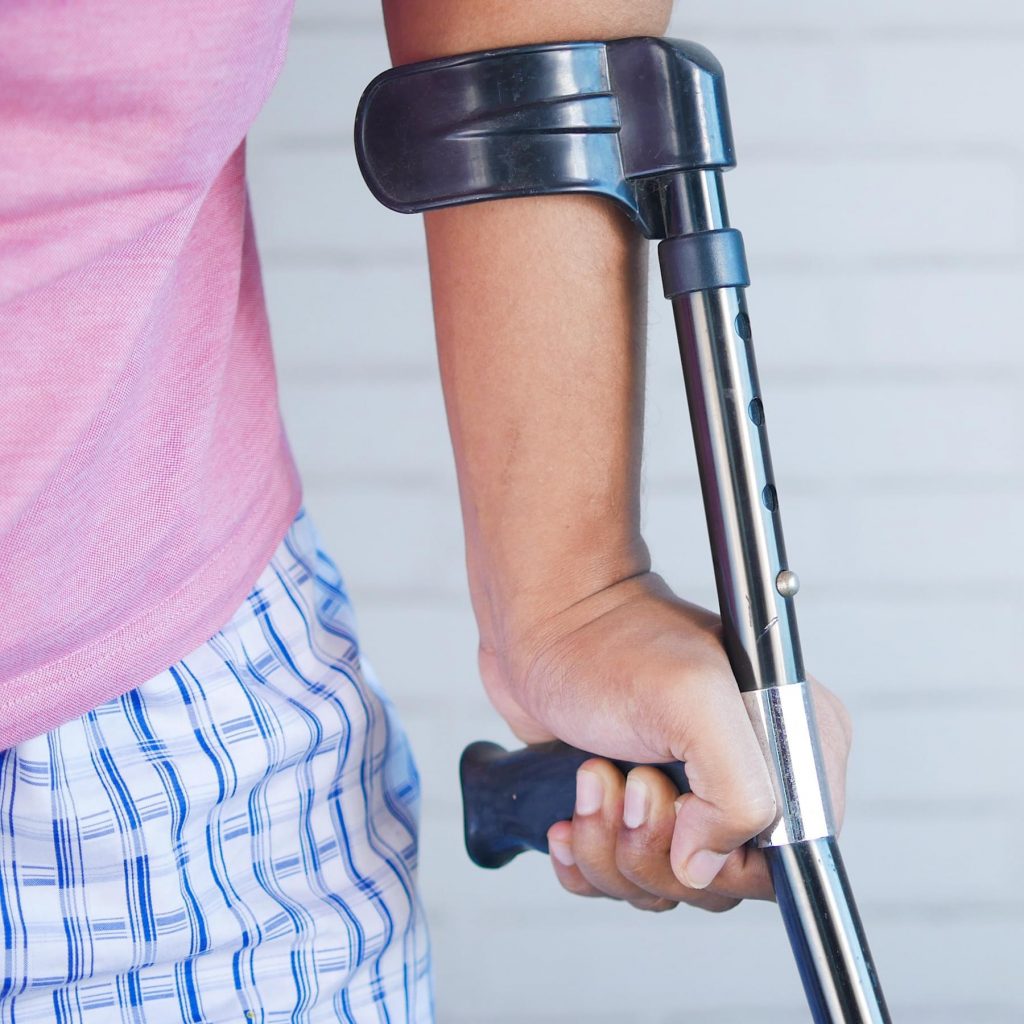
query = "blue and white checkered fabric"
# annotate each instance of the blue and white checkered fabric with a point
(235, 840)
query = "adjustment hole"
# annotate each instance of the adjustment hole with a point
(743, 326)
(770, 498)
(756, 411)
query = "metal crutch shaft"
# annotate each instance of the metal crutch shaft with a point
(645, 123)
(755, 590)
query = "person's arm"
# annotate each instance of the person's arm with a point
(539, 313)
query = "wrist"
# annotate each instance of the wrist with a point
(519, 601)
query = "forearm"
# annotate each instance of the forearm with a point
(540, 340)
(539, 311)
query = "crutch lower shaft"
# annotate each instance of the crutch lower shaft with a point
(704, 273)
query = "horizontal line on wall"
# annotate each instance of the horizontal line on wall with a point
(901, 485)
(334, 375)
(771, 32)
(852, 24)
(878, 149)
(276, 142)
(994, 32)
(821, 264)
(1010, 911)
(414, 596)
(878, 913)
(935, 698)
(927, 811)
(318, 24)
(997, 375)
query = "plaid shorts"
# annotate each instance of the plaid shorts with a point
(235, 840)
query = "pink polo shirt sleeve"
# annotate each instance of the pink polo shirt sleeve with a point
(145, 478)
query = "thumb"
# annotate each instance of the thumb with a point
(731, 798)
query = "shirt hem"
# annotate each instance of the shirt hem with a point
(47, 696)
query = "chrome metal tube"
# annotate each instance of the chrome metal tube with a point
(825, 932)
(740, 494)
(756, 587)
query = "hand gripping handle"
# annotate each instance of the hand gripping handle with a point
(511, 798)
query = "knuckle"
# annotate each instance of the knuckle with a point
(711, 903)
(633, 857)
(627, 860)
(719, 904)
(756, 811)
(637, 875)
(645, 866)
(577, 885)
(654, 905)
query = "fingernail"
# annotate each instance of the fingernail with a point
(702, 867)
(589, 792)
(562, 852)
(678, 804)
(636, 805)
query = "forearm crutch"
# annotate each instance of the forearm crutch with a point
(645, 123)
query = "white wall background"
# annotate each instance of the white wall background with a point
(879, 189)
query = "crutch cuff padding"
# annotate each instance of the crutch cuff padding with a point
(710, 259)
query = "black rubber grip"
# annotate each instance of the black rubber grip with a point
(710, 259)
(511, 799)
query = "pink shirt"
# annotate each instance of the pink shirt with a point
(145, 479)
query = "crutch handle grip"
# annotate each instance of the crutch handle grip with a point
(511, 798)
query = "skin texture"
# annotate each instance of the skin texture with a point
(539, 314)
